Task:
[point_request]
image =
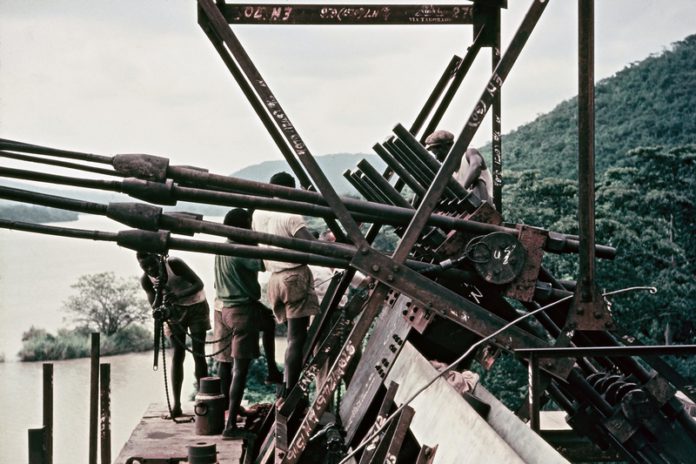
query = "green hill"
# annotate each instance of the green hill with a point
(648, 103)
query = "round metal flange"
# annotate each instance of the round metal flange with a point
(498, 257)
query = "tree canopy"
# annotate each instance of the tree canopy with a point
(106, 303)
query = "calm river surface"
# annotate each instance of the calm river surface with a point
(36, 272)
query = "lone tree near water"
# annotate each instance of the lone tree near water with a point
(106, 303)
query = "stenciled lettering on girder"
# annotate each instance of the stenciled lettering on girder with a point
(477, 116)
(355, 14)
(474, 293)
(327, 389)
(379, 422)
(390, 459)
(268, 14)
(310, 373)
(482, 107)
(435, 14)
(497, 155)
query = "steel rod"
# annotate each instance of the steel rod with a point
(62, 164)
(440, 86)
(373, 212)
(453, 159)
(13, 145)
(610, 351)
(459, 76)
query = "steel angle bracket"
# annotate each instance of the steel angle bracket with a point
(533, 241)
(445, 302)
(589, 313)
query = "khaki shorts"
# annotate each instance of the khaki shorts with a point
(193, 318)
(291, 294)
(237, 330)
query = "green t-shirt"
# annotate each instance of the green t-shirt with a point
(236, 280)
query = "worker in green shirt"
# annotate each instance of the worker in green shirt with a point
(239, 317)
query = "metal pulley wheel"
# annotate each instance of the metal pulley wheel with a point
(498, 257)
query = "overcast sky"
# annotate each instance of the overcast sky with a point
(119, 76)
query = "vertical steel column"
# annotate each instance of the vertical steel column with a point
(48, 409)
(94, 398)
(586, 161)
(105, 412)
(496, 141)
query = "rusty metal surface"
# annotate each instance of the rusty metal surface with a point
(347, 14)
(524, 287)
(429, 283)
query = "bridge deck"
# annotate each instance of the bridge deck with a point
(155, 437)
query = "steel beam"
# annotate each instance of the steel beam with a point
(347, 14)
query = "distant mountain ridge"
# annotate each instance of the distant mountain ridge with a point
(650, 102)
(332, 165)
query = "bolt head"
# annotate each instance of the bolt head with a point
(375, 268)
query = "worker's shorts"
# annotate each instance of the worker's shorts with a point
(194, 318)
(291, 294)
(236, 332)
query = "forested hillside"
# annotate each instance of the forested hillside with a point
(648, 103)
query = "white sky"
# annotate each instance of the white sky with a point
(120, 76)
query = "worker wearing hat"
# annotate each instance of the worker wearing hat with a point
(473, 174)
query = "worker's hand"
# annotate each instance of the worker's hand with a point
(169, 299)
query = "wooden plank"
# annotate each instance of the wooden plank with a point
(155, 436)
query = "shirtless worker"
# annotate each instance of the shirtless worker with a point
(183, 293)
(290, 287)
(473, 174)
(239, 316)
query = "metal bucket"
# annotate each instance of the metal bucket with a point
(202, 453)
(209, 407)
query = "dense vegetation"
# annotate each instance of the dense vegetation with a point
(37, 214)
(645, 198)
(112, 306)
(39, 345)
(648, 103)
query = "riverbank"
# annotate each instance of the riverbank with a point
(134, 386)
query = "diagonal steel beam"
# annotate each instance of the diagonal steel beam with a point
(454, 157)
(411, 235)
(218, 22)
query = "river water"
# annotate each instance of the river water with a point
(36, 272)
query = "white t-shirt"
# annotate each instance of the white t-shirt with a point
(283, 224)
(485, 176)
